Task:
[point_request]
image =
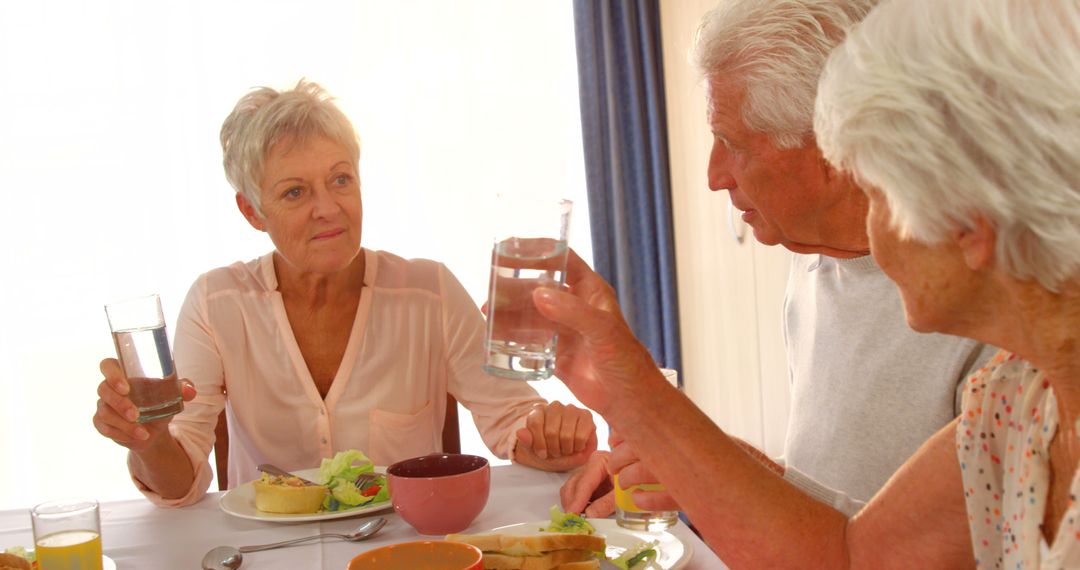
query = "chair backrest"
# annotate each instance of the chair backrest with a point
(451, 440)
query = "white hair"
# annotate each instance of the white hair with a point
(264, 117)
(962, 109)
(777, 48)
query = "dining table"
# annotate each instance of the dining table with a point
(139, 535)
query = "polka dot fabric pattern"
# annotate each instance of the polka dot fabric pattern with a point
(1003, 440)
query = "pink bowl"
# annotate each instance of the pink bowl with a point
(440, 493)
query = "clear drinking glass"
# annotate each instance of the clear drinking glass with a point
(530, 251)
(142, 346)
(627, 514)
(67, 534)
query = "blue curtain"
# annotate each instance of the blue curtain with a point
(626, 164)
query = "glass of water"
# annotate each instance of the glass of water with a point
(142, 346)
(530, 251)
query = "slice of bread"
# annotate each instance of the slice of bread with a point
(531, 544)
(553, 559)
(13, 562)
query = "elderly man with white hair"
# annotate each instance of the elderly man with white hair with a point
(866, 391)
(961, 121)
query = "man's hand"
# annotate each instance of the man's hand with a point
(589, 490)
(599, 358)
(632, 472)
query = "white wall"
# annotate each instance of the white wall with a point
(112, 184)
(730, 291)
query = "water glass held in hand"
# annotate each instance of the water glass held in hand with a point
(530, 251)
(142, 346)
(67, 535)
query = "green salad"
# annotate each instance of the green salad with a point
(348, 490)
(568, 522)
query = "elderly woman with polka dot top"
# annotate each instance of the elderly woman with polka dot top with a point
(961, 121)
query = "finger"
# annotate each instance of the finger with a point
(655, 501)
(573, 495)
(586, 483)
(553, 420)
(118, 403)
(602, 507)
(534, 422)
(621, 456)
(568, 430)
(636, 474)
(576, 268)
(585, 431)
(117, 428)
(573, 312)
(114, 374)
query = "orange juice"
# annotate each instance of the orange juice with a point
(69, 550)
(624, 498)
(629, 515)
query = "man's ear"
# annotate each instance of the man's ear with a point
(249, 212)
(977, 243)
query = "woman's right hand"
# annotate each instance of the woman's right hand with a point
(116, 413)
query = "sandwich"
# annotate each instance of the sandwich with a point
(13, 561)
(544, 551)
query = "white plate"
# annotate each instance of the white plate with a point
(671, 552)
(240, 502)
(106, 562)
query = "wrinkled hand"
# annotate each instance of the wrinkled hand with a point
(589, 491)
(116, 413)
(632, 472)
(599, 358)
(556, 437)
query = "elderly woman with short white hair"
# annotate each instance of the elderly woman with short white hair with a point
(321, 345)
(961, 120)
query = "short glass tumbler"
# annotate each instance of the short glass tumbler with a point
(67, 535)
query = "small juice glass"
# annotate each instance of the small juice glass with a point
(67, 534)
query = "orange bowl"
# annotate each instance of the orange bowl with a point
(421, 555)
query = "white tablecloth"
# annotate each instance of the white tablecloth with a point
(138, 535)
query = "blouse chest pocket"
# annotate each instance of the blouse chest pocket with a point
(395, 436)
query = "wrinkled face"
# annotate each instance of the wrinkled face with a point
(782, 193)
(934, 283)
(311, 204)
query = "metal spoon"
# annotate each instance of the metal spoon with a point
(222, 558)
(230, 558)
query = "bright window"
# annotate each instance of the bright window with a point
(113, 184)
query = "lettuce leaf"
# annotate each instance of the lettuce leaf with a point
(341, 466)
(569, 523)
(20, 552)
(638, 556)
(339, 475)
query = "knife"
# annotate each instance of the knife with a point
(275, 470)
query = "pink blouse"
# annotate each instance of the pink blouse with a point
(417, 335)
